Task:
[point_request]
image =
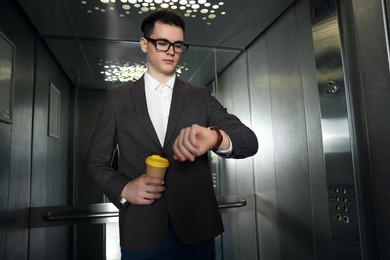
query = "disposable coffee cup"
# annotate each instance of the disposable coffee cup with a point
(156, 166)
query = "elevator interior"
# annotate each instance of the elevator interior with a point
(289, 69)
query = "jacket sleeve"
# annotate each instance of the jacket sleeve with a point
(97, 162)
(243, 139)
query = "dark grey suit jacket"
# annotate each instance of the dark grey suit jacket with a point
(189, 200)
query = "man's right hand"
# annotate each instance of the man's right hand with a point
(143, 190)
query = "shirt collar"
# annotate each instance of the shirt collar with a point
(152, 84)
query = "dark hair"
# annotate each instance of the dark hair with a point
(164, 16)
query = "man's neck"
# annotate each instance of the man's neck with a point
(160, 77)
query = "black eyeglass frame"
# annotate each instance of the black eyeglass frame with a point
(154, 42)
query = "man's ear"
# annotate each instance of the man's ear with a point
(143, 43)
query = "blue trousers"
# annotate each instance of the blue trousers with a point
(173, 249)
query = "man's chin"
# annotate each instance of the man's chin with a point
(169, 72)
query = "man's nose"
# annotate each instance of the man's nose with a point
(170, 50)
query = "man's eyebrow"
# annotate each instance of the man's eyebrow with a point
(163, 39)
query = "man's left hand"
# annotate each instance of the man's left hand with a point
(194, 141)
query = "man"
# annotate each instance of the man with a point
(161, 114)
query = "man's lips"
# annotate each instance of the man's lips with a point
(168, 61)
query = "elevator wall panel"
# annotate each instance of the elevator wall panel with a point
(5, 148)
(18, 30)
(264, 170)
(233, 93)
(89, 103)
(291, 195)
(387, 17)
(90, 237)
(290, 143)
(316, 162)
(239, 239)
(52, 162)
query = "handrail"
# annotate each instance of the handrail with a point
(50, 216)
(69, 216)
(236, 204)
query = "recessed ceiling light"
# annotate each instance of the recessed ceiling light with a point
(124, 72)
(187, 6)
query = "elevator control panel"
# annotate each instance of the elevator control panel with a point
(343, 204)
(336, 132)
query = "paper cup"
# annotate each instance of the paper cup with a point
(156, 166)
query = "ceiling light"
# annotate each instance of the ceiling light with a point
(126, 72)
(144, 6)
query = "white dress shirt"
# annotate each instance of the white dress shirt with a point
(158, 99)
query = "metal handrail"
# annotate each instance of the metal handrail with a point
(69, 216)
(236, 204)
(50, 216)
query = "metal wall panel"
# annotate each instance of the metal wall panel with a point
(39, 156)
(51, 178)
(264, 170)
(290, 143)
(387, 18)
(17, 29)
(236, 178)
(89, 103)
(89, 237)
(314, 139)
(233, 93)
(291, 200)
(5, 148)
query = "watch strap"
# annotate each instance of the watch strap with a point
(219, 139)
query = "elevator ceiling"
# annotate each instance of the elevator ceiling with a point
(93, 38)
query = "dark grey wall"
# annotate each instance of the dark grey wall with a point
(5, 153)
(16, 137)
(35, 168)
(52, 164)
(89, 102)
(90, 244)
(387, 15)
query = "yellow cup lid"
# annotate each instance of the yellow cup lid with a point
(157, 161)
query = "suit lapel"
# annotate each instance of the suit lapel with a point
(139, 99)
(178, 97)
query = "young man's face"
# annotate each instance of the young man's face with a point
(162, 63)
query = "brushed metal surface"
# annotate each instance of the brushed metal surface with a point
(236, 178)
(290, 180)
(336, 133)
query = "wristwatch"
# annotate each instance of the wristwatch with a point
(220, 137)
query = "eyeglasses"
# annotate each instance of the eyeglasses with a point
(164, 45)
